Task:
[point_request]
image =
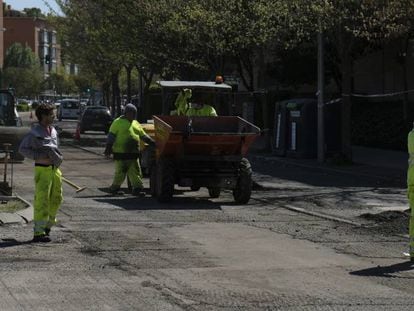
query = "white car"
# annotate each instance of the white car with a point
(68, 109)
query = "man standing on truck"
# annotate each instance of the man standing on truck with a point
(196, 108)
(41, 145)
(123, 141)
(181, 102)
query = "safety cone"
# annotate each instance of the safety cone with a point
(77, 133)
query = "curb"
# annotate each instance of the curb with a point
(22, 216)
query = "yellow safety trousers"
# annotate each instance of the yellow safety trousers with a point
(410, 188)
(130, 168)
(410, 194)
(48, 197)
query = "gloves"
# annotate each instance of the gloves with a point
(148, 140)
(108, 150)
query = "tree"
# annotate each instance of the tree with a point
(33, 12)
(354, 28)
(22, 70)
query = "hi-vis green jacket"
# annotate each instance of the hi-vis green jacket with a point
(125, 135)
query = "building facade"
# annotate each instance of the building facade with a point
(35, 33)
(1, 35)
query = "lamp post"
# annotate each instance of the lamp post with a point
(141, 87)
(320, 93)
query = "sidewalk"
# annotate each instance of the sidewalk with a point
(375, 163)
(381, 158)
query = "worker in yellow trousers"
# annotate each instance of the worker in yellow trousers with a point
(41, 145)
(410, 189)
(123, 142)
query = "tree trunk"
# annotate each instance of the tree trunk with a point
(116, 93)
(403, 62)
(106, 94)
(245, 70)
(346, 64)
(148, 76)
(128, 73)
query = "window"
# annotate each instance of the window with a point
(70, 105)
(5, 101)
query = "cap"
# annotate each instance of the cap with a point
(130, 108)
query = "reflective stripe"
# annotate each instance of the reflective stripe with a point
(39, 227)
(411, 159)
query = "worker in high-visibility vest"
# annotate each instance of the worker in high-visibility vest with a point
(196, 107)
(181, 102)
(199, 109)
(410, 189)
(123, 142)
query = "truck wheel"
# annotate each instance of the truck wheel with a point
(153, 181)
(243, 189)
(147, 160)
(214, 192)
(165, 180)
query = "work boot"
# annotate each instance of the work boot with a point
(139, 191)
(42, 238)
(115, 190)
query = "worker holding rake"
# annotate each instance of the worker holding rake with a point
(41, 145)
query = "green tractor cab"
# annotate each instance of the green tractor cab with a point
(11, 126)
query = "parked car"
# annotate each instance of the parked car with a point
(95, 118)
(68, 109)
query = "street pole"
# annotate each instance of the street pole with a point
(321, 125)
(141, 87)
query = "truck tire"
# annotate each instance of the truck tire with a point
(153, 181)
(214, 192)
(165, 180)
(243, 189)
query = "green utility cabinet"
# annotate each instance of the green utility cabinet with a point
(295, 128)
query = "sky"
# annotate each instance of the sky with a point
(21, 4)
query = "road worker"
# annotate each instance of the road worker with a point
(41, 145)
(410, 189)
(196, 107)
(123, 142)
(181, 102)
(199, 109)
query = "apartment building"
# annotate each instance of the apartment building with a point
(35, 33)
(1, 35)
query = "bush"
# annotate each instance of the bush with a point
(22, 106)
(380, 125)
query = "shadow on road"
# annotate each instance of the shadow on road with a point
(387, 271)
(326, 175)
(149, 203)
(13, 242)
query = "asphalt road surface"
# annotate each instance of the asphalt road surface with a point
(133, 253)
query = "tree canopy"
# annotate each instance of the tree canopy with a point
(194, 38)
(22, 70)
